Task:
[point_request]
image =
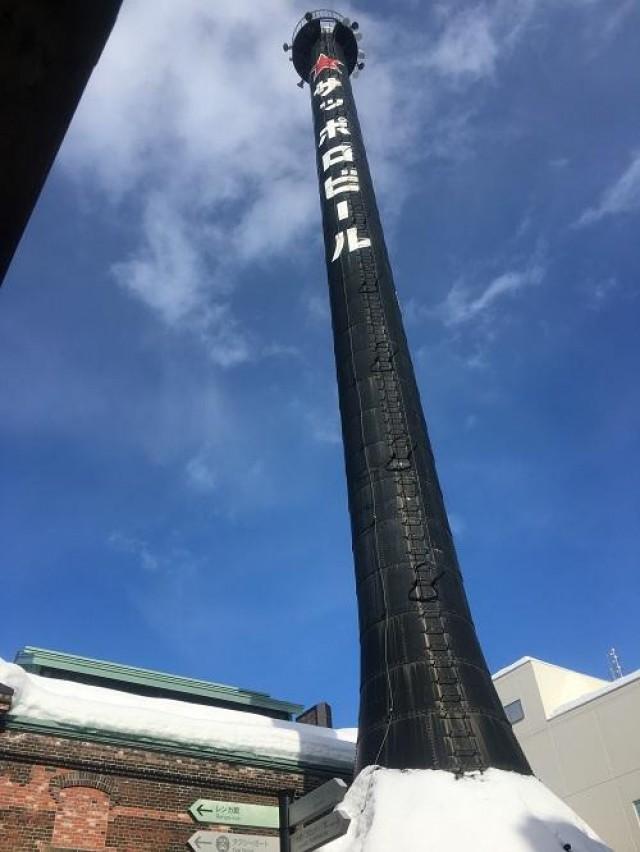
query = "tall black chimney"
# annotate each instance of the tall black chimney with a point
(426, 695)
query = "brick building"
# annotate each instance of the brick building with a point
(98, 756)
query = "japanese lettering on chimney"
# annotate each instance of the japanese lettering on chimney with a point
(340, 172)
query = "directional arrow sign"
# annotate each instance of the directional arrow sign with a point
(235, 813)
(317, 802)
(320, 832)
(221, 841)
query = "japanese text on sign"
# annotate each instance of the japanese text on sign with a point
(336, 151)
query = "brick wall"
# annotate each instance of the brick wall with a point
(58, 793)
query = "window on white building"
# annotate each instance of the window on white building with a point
(514, 711)
(636, 806)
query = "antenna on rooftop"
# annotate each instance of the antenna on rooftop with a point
(615, 669)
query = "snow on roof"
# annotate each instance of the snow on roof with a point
(596, 693)
(513, 666)
(425, 809)
(77, 705)
(106, 673)
(586, 697)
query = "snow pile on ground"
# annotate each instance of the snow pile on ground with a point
(423, 810)
(43, 699)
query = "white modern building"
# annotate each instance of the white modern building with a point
(581, 735)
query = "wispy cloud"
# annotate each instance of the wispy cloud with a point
(467, 45)
(623, 196)
(316, 307)
(136, 547)
(169, 273)
(474, 39)
(474, 313)
(464, 303)
(208, 149)
(162, 590)
(600, 292)
(318, 414)
(201, 473)
(618, 16)
(324, 426)
(602, 28)
(213, 473)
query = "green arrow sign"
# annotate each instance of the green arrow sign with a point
(235, 813)
(221, 841)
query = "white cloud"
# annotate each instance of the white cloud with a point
(623, 196)
(474, 39)
(147, 560)
(325, 426)
(232, 478)
(463, 303)
(467, 45)
(280, 350)
(319, 412)
(618, 17)
(175, 98)
(192, 120)
(476, 36)
(317, 307)
(192, 123)
(209, 142)
(470, 421)
(201, 474)
(598, 293)
(168, 273)
(281, 216)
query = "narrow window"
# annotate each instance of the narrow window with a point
(514, 711)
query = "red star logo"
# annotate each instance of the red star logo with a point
(325, 63)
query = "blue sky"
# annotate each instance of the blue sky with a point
(173, 491)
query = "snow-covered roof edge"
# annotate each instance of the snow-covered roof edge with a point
(536, 660)
(512, 666)
(35, 660)
(76, 710)
(595, 694)
(21, 724)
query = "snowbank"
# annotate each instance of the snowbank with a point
(42, 699)
(423, 810)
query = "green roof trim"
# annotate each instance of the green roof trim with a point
(49, 728)
(38, 659)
